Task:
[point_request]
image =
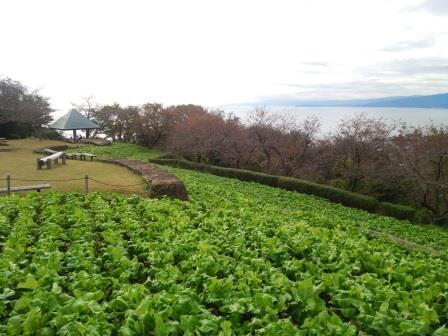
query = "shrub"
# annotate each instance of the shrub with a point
(170, 156)
(49, 134)
(397, 211)
(333, 194)
(423, 216)
(245, 175)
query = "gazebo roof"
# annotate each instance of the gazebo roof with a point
(73, 120)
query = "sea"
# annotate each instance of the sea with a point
(331, 117)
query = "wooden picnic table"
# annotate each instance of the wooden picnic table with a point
(3, 141)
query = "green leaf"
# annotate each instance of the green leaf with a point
(226, 328)
(29, 283)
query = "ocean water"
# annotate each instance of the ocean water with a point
(330, 117)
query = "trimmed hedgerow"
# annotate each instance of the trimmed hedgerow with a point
(241, 174)
(333, 194)
(336, 195)
(397, 211)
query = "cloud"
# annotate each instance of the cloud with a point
(372, 87)
(357, 89)
(426, 42)
(403, 77)
(435, 7)
(317, 64)
(409, 67)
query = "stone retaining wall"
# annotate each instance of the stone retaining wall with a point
(162, 182)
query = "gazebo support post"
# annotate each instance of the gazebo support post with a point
(87, 133)
(74, 135)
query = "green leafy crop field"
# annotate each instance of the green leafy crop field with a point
(237, 259)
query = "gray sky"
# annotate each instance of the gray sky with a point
(222, 52)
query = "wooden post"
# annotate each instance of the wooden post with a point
(39, 164)
(86, 184)
(74, 136)
(63, 158)
(49, 163)
(8, 184)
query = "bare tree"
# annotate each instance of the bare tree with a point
(200, 138)
(150, 124)
(265, 128)
(421, 153)
(295, 146)
(359, 147)
(238, 147)
(88, 106)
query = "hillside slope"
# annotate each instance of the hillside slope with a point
(237, 258)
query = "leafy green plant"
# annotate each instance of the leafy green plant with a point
(238, 258)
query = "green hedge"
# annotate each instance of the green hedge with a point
(336, 195)
(333, 194)
(397, 211)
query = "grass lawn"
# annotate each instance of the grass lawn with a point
(18, 160)
(118, 149)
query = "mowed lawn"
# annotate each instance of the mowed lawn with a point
(18, 160)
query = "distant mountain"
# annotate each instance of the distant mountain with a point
(431, 101)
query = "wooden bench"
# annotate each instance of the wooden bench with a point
(84, 156)
(48, 161)
(72, 155)
(37, 187)
(49, 151)
(3, 141)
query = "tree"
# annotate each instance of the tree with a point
(128, 117)
(89, 108)
(295, 146)
(265, 128)
(22, 111)
(108, 119)
(199, 138)
(359, 147)
(237, 147)
(151, 124)
(421, 154)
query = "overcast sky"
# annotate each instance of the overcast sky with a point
(223, 52)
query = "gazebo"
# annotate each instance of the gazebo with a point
(73, 121)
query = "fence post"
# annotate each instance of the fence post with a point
(86, 184)
(8, 184)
